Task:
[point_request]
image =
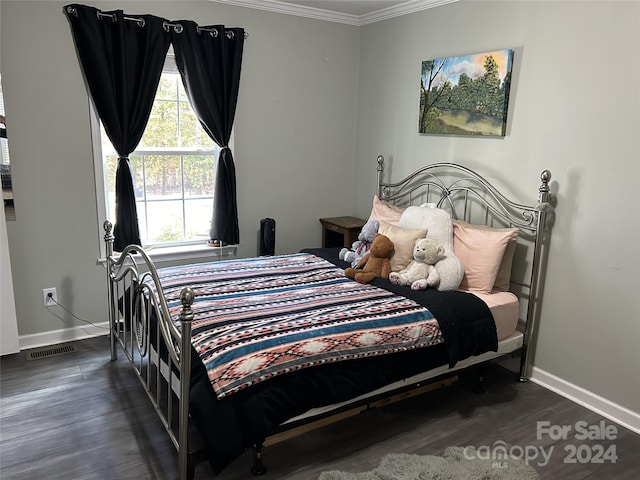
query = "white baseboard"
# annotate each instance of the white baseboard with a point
(600, 405)
(63, 335)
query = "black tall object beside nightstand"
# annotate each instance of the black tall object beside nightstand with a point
(340, 231)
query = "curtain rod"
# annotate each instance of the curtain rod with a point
(167, 25)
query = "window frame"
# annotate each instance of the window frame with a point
(175, 251)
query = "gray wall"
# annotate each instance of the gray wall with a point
(319, 101)
(294, 142)
(575, 110)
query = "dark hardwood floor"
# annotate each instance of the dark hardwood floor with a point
(81, 416)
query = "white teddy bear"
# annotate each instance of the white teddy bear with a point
(421, 272)
(438, 223)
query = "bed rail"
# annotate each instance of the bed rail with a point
(470, 197)
(159, 351)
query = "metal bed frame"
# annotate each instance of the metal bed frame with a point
(135, 297)
(469, 197)
(132, 305)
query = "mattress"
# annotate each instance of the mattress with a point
(504, 307)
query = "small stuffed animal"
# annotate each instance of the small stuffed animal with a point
(374, 264)
(360, 247)
(421, 272)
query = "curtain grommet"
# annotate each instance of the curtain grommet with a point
(176, 27)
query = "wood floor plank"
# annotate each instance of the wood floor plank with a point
(81, 416)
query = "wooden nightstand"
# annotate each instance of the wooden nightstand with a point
(340, 231)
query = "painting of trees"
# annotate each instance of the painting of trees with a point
(466, 95)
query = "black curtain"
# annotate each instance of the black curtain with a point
(209, 61)
(122, 58)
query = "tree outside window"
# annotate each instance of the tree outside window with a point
(173, 170)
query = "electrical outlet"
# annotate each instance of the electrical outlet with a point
(49, 301)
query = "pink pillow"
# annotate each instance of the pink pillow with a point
(385, 211)
(481, 250)
(503, 278)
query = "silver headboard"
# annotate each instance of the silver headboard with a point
(470, 197)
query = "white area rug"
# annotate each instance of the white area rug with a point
(452, 465)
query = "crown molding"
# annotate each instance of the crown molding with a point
(406, 8)
(410, 6)
(297, 10)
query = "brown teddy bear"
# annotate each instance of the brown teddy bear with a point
(375, 263)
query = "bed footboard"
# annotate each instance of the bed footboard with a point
(159, 351)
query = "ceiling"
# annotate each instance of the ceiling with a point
(352, 12)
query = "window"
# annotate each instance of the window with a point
(172, 170)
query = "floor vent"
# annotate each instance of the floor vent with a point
(46, 352)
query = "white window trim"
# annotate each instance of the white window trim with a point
(192, 251)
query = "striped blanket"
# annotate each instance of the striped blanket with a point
(260, 317)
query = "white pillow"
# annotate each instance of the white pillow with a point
(438, 224)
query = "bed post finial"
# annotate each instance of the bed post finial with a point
(380, 170)
(545, 178)
(186, 299)
(108, 228)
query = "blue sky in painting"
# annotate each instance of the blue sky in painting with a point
(472, 65)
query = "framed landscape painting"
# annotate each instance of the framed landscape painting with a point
(466, 95)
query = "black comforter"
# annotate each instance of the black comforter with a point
(231, 425)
